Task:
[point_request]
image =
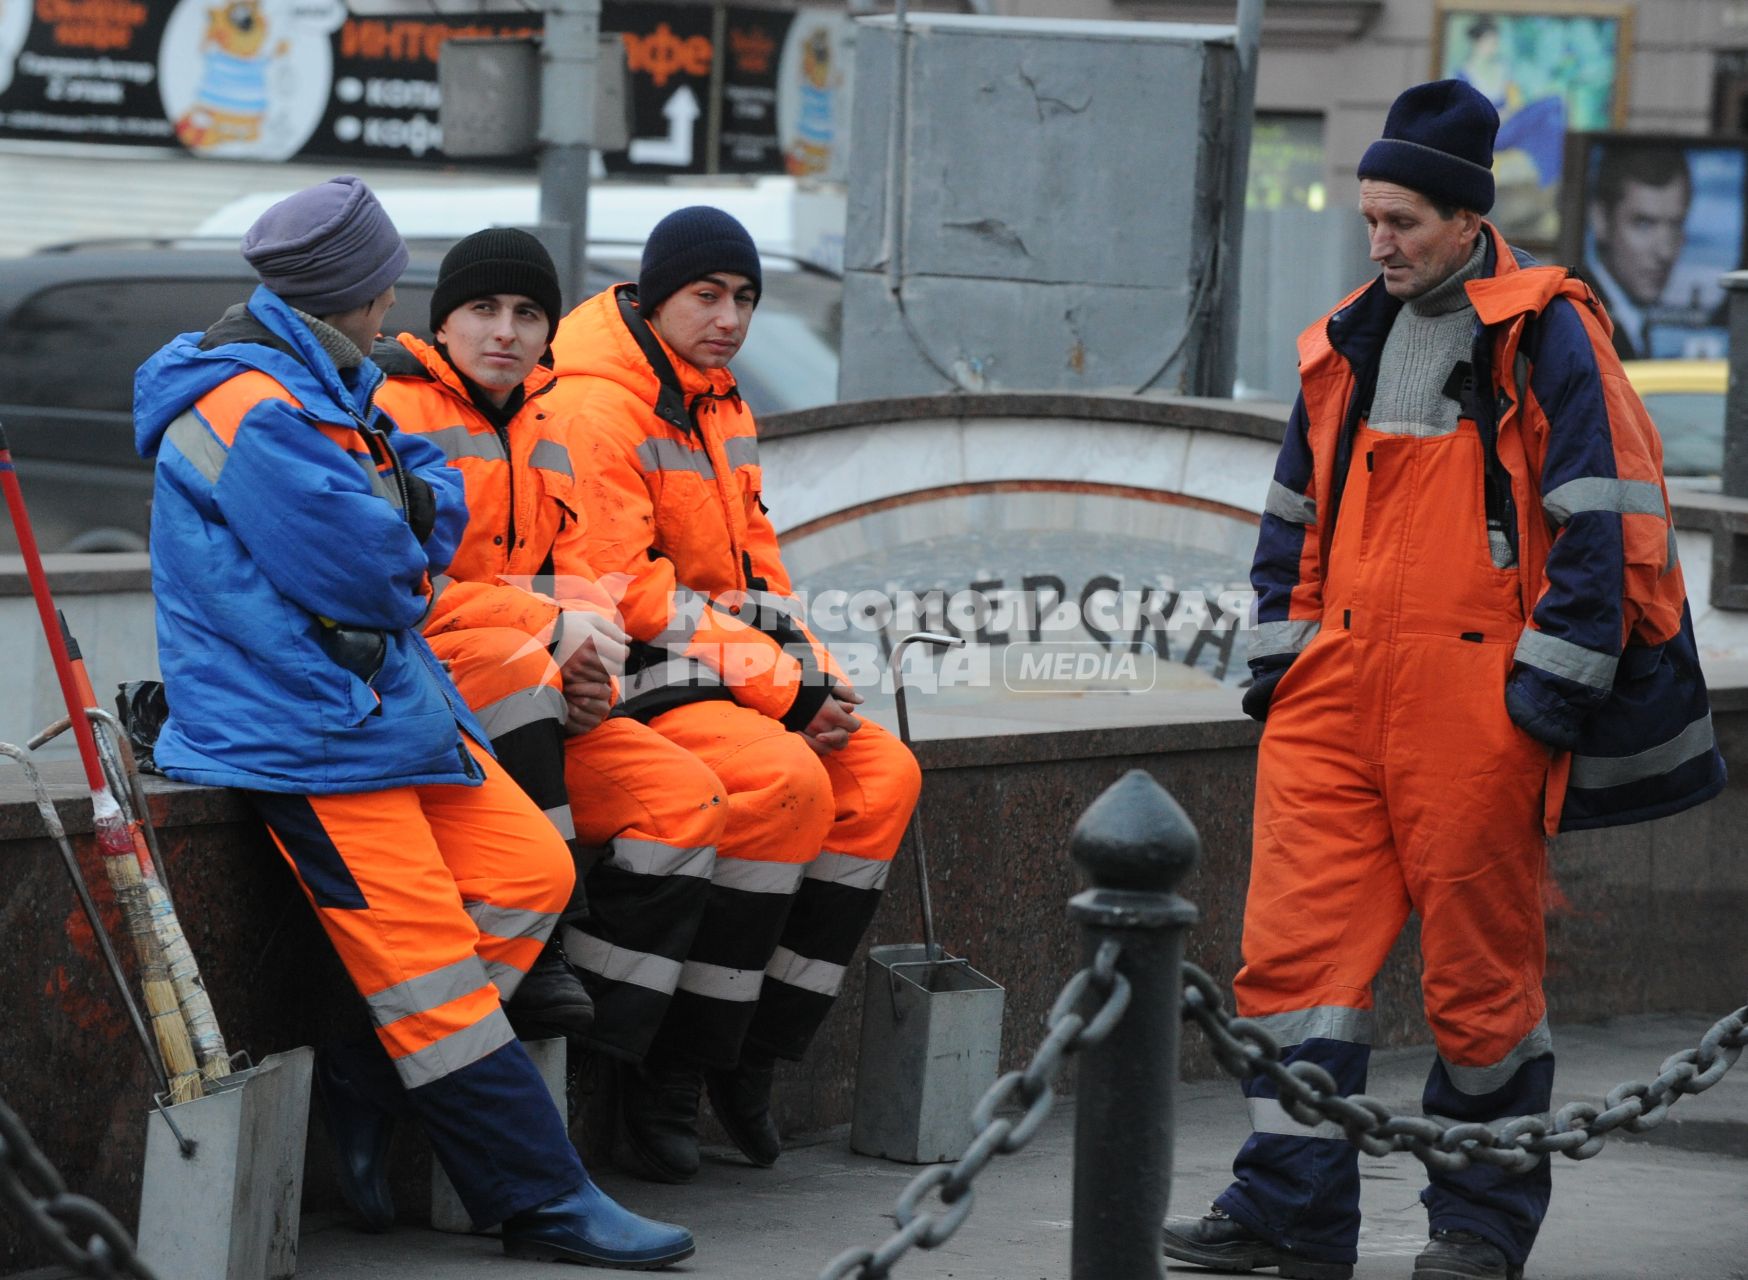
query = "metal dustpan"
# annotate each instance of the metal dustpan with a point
(931, 1024)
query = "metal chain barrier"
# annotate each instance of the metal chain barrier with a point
(1579, 1129)
(1034, 1088)
(79, 1231)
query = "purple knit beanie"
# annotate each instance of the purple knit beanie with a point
(326, 249)
(1438, 140)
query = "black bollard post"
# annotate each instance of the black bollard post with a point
(1135, 844)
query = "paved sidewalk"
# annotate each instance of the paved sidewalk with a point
(1671, 1203)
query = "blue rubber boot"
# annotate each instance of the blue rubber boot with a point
(590, 1228)
(360, 1130)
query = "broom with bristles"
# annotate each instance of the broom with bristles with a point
(114, 842)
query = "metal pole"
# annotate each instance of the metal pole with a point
(1135, 844)
(897, 170)
(1222, 365)
(916, 826)
(569, 48)
(1735, 481)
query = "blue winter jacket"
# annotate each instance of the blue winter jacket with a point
(289, 583)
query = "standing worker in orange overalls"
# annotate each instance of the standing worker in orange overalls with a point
(529, 635)
(1471, 628)
(295, 534)
(723, 665)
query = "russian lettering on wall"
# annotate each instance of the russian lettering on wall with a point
(307, 79)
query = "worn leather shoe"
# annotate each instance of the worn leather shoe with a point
(551, 1000)
(592, 1229)
(360, 1131)
(1219, 1243)
(658, 1121)
(1464, 1255)
(741, 1099)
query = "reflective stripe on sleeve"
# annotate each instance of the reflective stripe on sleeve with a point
(1593, 772)
(741, 450)
(1270, 638)
(459, 442)
(1563, 658)
(662, 454)
(662, 675)
(205, 452)
(524, 707)
(1295, 508)
(1593, 493)
(550, 455)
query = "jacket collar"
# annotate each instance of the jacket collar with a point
(1510, 284)
(351, 389)
(410, 356)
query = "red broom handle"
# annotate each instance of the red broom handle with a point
(45, 607)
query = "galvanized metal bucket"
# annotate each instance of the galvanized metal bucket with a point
(228, 1208)
(931, 1024)
(931, 1044)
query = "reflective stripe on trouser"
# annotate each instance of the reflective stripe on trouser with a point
(431, 895)
(513, 686)
(782, 921)
(1390, 779)
(660, 812)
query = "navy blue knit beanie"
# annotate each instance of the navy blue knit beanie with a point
(1438, 140)
(690, 243)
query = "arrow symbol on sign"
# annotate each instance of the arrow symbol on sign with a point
(681, 111)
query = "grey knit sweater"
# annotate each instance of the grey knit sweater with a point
(1432, 334)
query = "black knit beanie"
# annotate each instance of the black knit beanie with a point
(1438, 140)
(690, 243)
(497, 260)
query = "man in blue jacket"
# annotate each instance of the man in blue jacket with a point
(295, 533)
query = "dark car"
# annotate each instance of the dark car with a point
(77, 321)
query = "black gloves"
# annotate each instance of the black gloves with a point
(1547, 718)
(1262, 687)
(421, 507)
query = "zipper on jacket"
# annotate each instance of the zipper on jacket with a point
(375, 433)
(503, 434)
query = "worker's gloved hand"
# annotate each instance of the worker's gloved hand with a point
(1262, 690)
(421, 507)
(1540, 712)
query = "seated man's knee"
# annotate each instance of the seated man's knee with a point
(799, 784)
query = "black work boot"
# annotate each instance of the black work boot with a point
(1464, 1255)
(360, 1130)
(551, 1000)
(741, 1099)
(1218, 1242)
(658, 1120)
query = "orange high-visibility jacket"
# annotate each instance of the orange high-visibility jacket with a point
(668, 474)
(1608, 648)
(522, 556)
